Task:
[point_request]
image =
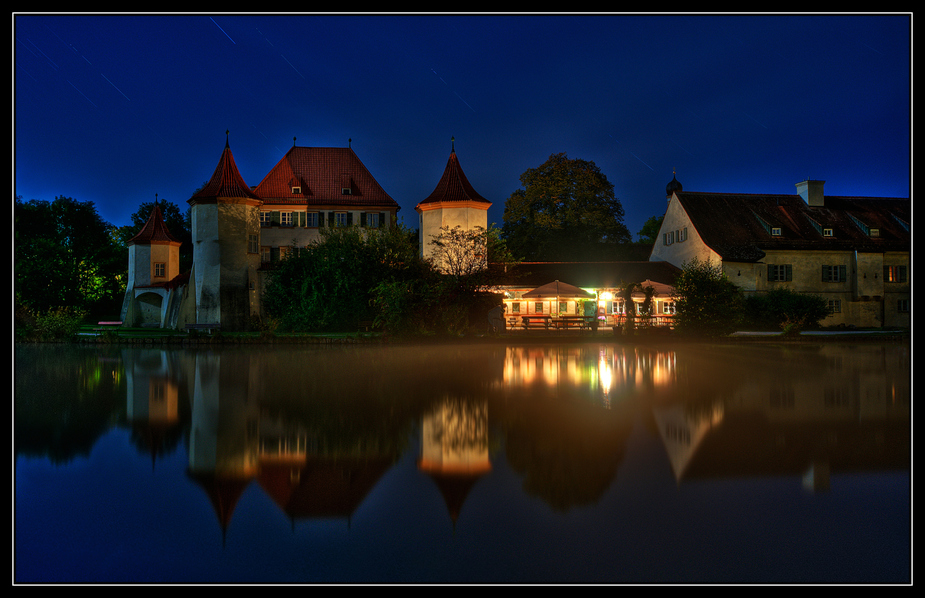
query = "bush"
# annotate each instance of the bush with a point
(709, 304)
(55, 324)
(786, 310)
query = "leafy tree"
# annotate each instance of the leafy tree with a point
(66, 255)
(465, 256)
(566, 210)
(708, 303)
(648, 234)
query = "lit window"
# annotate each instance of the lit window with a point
(894, 273)
(538, 307)
(515, 307)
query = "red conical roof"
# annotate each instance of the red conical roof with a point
(154, 230)
(454, 186)
(226, 181)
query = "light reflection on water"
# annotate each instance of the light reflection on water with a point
(550, 462)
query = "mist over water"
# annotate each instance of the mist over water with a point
(481, 462)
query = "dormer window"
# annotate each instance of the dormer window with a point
(346, 191)
(875, 232)
(297, 190)
(775, 231)
(827, 232)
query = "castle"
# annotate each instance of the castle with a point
(239, 232)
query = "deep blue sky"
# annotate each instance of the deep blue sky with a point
(115, 109)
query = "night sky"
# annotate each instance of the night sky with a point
(116, 109)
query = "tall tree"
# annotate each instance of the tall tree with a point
(648, 234)
(66, 255)
(566, 210)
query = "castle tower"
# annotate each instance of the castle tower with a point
(226, 248)
(454, 202)
(153, 263)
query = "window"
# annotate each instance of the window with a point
(372, 220)
(828, 232)
(780, 272)
(902, 306)
(894, 273)
(285, 218)
(775, 231)
(563, 307)
(264, 218)
(340, 218)
(538, 307)
(834, 306)
(264, 255)
(346, 191)
(515, 307)
(875, 232)
(311, 219)
(253, 244)
(159, 269)
(669, 307)
(834, 273)
(297, 190)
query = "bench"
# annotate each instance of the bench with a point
(207, 327)
(104, 326)
(535, 321)
(580, 323)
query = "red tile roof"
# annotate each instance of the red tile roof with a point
(154, 230)
(226, 182)
(321, 174)
(454, 186)
(737, 225)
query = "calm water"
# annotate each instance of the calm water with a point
(468, 463)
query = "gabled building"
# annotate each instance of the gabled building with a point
(312, 188)
(853, 251)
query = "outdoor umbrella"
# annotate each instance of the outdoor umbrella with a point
(559, 290)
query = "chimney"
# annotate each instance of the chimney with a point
(811, 192)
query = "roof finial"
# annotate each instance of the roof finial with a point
(453, 145)
(226, 137)
(349, 140)
(293, 141)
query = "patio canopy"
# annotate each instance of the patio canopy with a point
(559, 290)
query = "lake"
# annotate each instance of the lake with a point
(470, 462)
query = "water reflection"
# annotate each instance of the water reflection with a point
(316, 430)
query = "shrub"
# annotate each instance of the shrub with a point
(708, 303)
(786, 310)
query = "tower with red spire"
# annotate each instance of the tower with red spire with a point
(225, 224)
(454, 202)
